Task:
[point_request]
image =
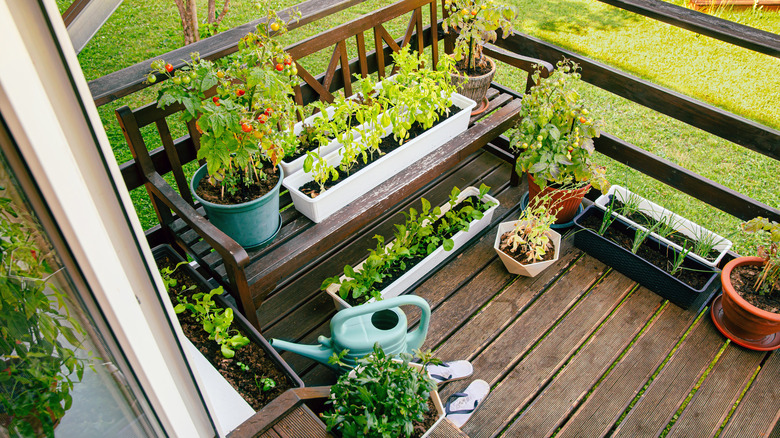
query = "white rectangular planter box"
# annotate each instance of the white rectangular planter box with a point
(433, 259)
(230, 408)
(682, 225)
(363, 181)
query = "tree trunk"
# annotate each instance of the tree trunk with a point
(188, 12)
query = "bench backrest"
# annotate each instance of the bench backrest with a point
(174, 153)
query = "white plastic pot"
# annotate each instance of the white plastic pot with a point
(363, 181)
(400, 285)
(515, 267)
(679, 223)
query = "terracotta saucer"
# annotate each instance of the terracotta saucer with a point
(768, 343)
(481, 107)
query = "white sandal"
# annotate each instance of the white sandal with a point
(461, 405)
(450, 371)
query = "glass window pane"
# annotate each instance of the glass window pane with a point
(58, 376)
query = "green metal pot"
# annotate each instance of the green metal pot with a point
(252, 223)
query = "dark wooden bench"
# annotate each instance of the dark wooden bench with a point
(251, 275)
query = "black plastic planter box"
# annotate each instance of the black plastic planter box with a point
(249, 330)
(642, 271)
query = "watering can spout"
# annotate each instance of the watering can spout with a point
(321, 352)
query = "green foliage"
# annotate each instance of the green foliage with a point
(170, 283)
(421, 234)
(251, 117)
(216, 322)
(476, 22)
(38, 337)
(769, 250)
(265, 384)
(555, 135)
(382, 397)
(414, 95)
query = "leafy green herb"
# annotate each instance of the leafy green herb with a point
(421, 234)
(215, 322)
(265, 384)
(383, 398)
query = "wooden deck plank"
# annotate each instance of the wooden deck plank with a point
(300, 423)
(708, 408)
(555, 403)
(447, 430)
(604, 406)
(525, 379)
(473, 295)
(514, 342)
(500, 312)
(672, 385)
(758, 411)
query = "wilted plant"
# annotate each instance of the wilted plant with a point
(769, 280)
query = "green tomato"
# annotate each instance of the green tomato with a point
(151, 79)
(186, 80)
(177, 80)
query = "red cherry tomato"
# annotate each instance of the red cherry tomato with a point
(215, 99)
(279, 67)
(269, 111)
(583, 120)
(262, 118)
(168, 68)
(240, 92)
(246, 127)
(288, 61)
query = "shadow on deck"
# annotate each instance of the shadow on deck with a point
(580, 350)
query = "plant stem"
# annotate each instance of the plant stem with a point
(470, 59)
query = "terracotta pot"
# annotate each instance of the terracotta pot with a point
(741, 318)
(477, 86)
(569, 200)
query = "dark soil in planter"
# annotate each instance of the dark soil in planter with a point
(743, 278)
(214, 193)
(396, 271)
(420, 427)
(520, 255)
(659, 258)
(387, 145)
(676, 237)
(303, 149)
(251, 355)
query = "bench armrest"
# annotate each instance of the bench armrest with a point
(519, 61)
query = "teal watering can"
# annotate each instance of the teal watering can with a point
(358, 328)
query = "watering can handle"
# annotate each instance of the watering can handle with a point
(419, 334)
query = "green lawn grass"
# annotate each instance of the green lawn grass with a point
(732, 78)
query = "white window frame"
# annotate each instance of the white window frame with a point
(45, 101)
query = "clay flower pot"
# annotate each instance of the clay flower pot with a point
(740, 321)
(568, 200)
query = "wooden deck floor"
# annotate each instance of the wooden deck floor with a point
(579, 351)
